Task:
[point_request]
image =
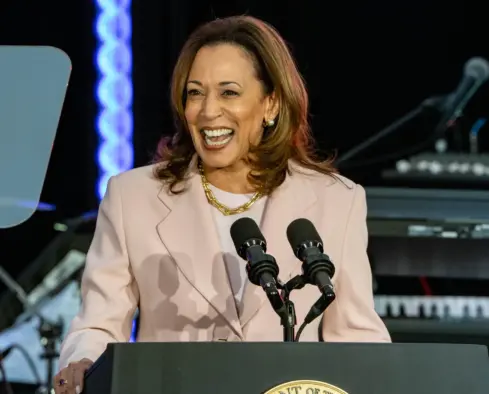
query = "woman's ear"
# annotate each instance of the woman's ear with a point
(273, 107)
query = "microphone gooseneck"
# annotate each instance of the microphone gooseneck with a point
(262, 269)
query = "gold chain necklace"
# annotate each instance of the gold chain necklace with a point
(226, 211)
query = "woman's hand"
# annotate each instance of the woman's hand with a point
(70, 379)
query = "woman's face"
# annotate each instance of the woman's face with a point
(226, 105)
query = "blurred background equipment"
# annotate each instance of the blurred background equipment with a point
(37, 310)
(429, 253)
(40, 92)
(426, 175)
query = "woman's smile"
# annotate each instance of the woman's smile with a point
(216, 138)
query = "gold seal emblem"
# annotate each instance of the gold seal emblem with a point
(305, 387)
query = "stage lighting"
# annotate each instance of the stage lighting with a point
(114, 90)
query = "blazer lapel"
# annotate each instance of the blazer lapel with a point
(290, 201)
(188, 233)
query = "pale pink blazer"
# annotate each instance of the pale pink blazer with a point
(162, 252)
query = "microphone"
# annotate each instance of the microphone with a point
(262, 269)
(316, 266)
(476, 72)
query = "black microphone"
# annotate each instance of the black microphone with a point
(476, 72)
(317, 267)
(262, 268)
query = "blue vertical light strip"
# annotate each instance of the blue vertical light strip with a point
(114, 92)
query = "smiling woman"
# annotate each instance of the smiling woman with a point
(242, 147)
(225, 109)
(235, 77)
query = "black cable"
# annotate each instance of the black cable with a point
(7, 385)
(30, 362)
(316, 311)
(299, 331)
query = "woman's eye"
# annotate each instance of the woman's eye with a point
(193, 92)
(229, 93)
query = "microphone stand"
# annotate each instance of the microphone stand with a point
(50, 334)
(289, 319)
(436, 102)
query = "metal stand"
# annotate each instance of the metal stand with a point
(436, 102)
(289, 320)
(50, 334)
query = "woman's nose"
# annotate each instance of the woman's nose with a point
(211, 107)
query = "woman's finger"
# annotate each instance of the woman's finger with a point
(56, 383)
(70, 379)
(78, 377)
(63, 382)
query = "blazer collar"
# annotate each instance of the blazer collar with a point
(188, 232)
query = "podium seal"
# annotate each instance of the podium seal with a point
(305, 387)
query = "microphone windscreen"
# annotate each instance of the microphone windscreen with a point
(243, 230)
(300, 231)
(478, 68)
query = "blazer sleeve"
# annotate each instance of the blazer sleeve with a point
(352, 316)
(108, 289)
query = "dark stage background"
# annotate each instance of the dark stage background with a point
(366, 64)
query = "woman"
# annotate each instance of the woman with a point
(242, 148)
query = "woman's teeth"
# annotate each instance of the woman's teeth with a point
(218, 137)
(213, 142)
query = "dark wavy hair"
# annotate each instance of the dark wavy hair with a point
(289, 139)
